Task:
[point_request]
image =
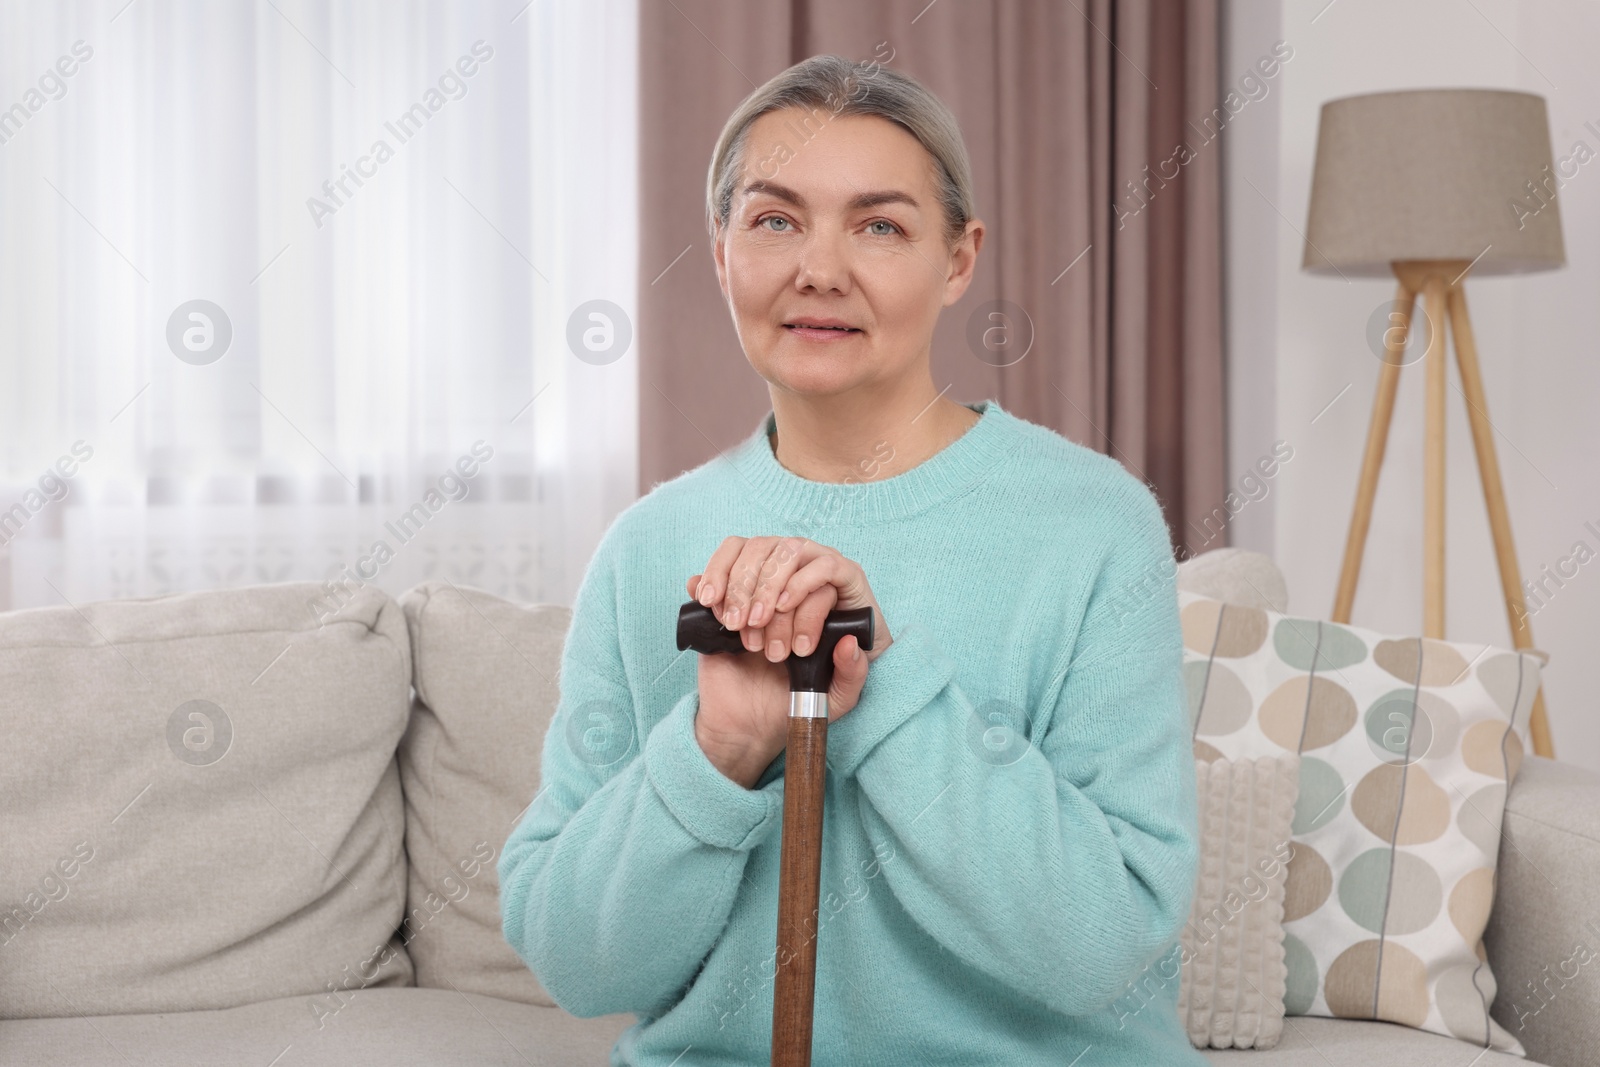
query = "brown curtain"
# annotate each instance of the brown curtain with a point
(1064, 106)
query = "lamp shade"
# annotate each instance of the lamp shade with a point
(1434, 174)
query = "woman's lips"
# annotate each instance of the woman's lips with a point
(824, 334)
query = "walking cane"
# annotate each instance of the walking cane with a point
(800, 862)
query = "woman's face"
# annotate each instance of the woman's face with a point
(836, 222)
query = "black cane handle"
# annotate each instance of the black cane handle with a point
(698, 629)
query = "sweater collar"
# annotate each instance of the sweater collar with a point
(943, 476)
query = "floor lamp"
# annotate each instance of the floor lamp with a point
(1431, 185)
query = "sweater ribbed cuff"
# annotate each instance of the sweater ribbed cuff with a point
(709, 804)
(901, 682)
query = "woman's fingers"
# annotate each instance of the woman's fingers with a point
(845, 578)
(760, 574)
(785, 556)
(799, 630)
(741, 581)
(809, 617)
(849, 675)
(832, 569)
(743, 573)
(754, 559)
(714, 582)
(779, 634)
(752, 639)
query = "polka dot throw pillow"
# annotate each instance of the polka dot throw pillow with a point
(1407, 746)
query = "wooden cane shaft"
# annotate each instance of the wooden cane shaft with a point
(799, 878)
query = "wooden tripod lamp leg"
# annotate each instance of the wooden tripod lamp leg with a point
(1433, 514)
(1495, 496)
(1394, 345)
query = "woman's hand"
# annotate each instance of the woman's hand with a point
(777, 592)
(763, 586)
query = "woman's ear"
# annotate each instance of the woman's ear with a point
(963, 261)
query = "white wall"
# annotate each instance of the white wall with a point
(1249, 170)
(1536, 338)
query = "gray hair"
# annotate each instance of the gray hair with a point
(835, 86)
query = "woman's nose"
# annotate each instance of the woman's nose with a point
(824, 264)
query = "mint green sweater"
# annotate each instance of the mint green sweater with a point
(1010, 843)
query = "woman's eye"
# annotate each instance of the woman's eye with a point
(889, 227)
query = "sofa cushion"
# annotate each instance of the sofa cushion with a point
(374, 1028)
(1237, 576)
(1311, 1042)
(199, 801)
(485, 677)
(384, 1027)
(1407, 746)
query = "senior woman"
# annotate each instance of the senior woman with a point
(1010, 845)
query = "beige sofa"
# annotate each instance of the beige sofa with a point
(233, 834)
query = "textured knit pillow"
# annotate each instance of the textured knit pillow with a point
(1231, 990)
(1407, 748)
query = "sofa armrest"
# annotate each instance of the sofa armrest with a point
(1543, 939)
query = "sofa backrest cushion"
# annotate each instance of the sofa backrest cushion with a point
(1236, 576)
(199, 802)
(486, 673)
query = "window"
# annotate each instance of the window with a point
(282, 283)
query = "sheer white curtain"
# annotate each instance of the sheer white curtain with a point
(403, 213)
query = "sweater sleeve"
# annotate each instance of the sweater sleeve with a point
(1062, 870)
(623, 872)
